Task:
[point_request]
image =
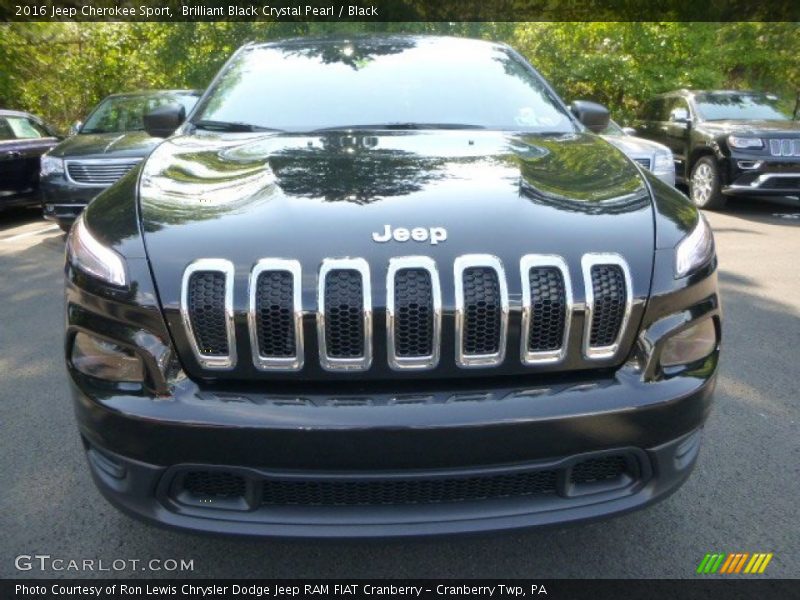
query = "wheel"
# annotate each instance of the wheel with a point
(704, 185)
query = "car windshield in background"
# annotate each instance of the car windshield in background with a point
(719, 107)
(120, 114)
(401, 83)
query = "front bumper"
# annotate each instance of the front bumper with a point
(762, 177)
(62, 200)
(332, 451)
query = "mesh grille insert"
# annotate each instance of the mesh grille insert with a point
(214, 484)
(413, 301)
(608, 287)
(548, 309)
(275, 314)
(344, 308)
(605, 468)
(482, 311)
(206, 301)
(407, 491)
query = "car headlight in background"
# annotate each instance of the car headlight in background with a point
(87, 254)
(663, 161)
(737, 141)
(99, 358)
(695, 249)
(690, 345)
(50, 165)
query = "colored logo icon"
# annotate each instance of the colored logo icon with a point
(734, 563)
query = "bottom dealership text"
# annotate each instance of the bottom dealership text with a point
(209, 591)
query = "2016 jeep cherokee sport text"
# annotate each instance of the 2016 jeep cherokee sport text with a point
(385, 287)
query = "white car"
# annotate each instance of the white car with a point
(651, 155)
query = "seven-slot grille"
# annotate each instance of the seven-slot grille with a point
(784, 147)
(413, 311)
(100, 172)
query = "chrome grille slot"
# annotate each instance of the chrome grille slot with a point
(99, 172)
(608, 303)
(784, 147)
(481, 310)
(645, 162)
(546, 308)
(414, 312)
(275, 315)
(207, 312)
(344, 320)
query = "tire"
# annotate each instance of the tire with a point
(705, 189)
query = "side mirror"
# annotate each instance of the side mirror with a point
(628, 131)
(164, 120)
(594, 116)
(75, 129)
(680, 115)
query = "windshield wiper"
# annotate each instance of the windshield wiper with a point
(399, 126)
(230, 127)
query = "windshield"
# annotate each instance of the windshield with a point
(718, 107)
(401, 82)
(613, 129)
(119, 114)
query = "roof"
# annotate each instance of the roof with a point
(15, 113)
(386, 39)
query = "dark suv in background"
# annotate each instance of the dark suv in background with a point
(108, 145)
(726, 143)
(23, 139)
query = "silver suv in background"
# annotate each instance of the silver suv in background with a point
(651, 155)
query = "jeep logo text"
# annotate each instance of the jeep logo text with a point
(418, 234)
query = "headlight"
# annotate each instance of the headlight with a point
(664, 161)
(105, 360)
(51, 165)
(89, 255)
(737, 141)
(695, 249)
(690, 345)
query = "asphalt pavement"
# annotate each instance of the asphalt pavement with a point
(744, 495)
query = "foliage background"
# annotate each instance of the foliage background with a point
(60, 70)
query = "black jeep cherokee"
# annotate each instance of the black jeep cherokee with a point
(384, 287)
(726, 143)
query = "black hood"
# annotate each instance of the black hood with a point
(134, 144)
(245, 197)
(755, 127)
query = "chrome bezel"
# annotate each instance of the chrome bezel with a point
(459, 265)
(97, 161)
(222, 266)
(587, 262)
(419, 363)
(277, 363)
(526, 263)
(361, 363)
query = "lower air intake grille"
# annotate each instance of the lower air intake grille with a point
(606, 468)
(214, 484)
(206, 303)
(548, 309)
(344, 308)
(275, 314)
(407, 491)
(482, 311)
(413, 301)
(608, 287)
